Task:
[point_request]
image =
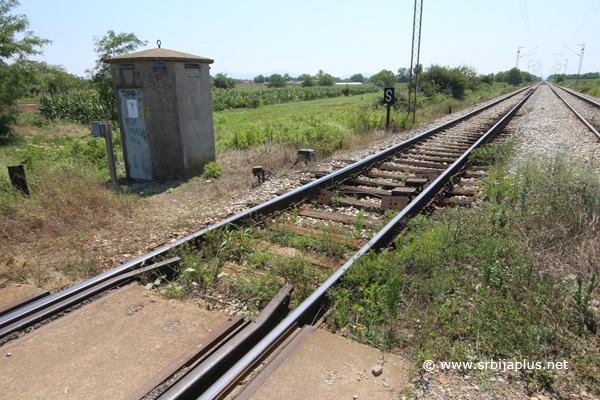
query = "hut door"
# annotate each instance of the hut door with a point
(137, 147)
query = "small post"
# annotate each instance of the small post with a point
(387, 120)
(104, 129)
(18, 179)
(449, 109)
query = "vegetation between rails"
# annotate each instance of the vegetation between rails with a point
(512, 279)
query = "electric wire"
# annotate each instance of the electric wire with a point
(585, 21)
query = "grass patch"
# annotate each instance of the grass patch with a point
(263, 274)
(512, 279)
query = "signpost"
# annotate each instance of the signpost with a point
(388, 98)
(104, 129)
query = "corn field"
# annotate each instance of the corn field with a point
(82, 107)
(223, 99)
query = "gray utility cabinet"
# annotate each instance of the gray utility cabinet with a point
(165, 113)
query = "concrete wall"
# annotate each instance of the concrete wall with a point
(180, 125)
(195, 116)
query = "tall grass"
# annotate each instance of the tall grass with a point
(324, 133)
(496, 281)
(68, 193)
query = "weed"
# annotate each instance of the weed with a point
(213, 170)
(294, 215)
(335, 199)
(358, 224)
(584, 317)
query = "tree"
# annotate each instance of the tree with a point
(319, 74)
(51, 79)
(110, 45)
(403, 75)
(287, 77)
(222, 81)
(308, 82)
(16, 44)
(448, 81)
(277, 81)
(385, 78)
(326, 80)
(259, 79)
(515, 77)
(357, 78)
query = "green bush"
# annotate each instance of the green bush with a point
(212, 170)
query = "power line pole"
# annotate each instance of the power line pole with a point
(416, 50)
(518, 52)
(580, 62)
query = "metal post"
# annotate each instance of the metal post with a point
(518, 52)
(104, 129)
(17, 177)
(580, 62)
(416, 45)
(387, 121)
(111, 157)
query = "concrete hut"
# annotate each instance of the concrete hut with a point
(165, 113)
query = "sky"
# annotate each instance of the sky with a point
(338, 37)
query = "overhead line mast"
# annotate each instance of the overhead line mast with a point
(416, 49)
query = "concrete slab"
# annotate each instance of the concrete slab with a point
(328, 366)
(106, 351)
(11, 292)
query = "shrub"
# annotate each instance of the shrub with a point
(212, 170)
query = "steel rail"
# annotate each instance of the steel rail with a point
(269, 207)
(577, 114)
(578, 95)
(70, 301)
(381, 239)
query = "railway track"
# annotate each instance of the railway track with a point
(359, 208)
(587, 110)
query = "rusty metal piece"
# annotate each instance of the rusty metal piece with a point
(417, 183)
(198, 350)
(322, 196)
(431, 177)
(393, 203)
(202, 375)
(403, 192)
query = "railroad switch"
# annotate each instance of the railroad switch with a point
(261, 173)
(306, 155)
